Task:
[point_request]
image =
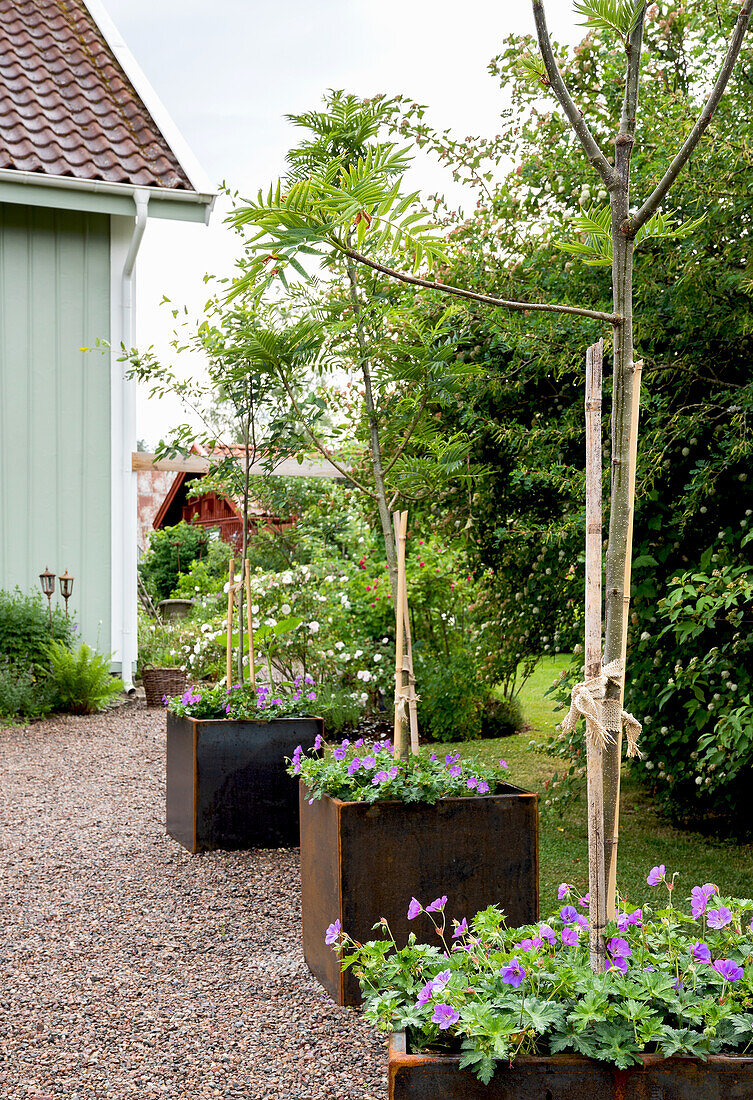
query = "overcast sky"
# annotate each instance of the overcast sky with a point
(228, 70)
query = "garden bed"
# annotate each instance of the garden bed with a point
(567, 1077)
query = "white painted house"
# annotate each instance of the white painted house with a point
(87, 155)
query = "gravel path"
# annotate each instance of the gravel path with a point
(130, 968)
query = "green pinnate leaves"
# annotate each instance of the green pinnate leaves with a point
(618, 16)
(594, 245)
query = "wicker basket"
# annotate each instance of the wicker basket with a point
(159, 682)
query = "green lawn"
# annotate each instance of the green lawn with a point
(645, 838)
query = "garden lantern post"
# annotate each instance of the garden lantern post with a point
(48, 587)
(66, 589)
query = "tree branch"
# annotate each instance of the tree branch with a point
(630, 101)
(486, 299)
(653, 202)
(408, 434)
(595, 156)
(316, 442)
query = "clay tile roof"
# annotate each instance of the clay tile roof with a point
(66, 106)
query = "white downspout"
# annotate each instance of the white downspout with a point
(129, 597)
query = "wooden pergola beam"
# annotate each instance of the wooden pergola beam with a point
(197, 464)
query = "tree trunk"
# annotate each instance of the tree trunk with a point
(617, 576)
(376, 451)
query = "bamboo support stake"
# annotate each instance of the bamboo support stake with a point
(408, 655)
(614, 831)
(594, 752)
(229, 628)
(250, 623)
(400, 743)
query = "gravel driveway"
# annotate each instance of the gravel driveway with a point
(130, 968)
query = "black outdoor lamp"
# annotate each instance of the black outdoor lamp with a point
(66, 589)
(48, 587)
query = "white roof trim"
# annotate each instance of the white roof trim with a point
(172, 135)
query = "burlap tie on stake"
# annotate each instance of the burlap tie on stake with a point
(604, 717)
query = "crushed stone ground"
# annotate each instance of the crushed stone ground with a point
(130, 968)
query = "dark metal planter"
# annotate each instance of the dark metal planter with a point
(361, 862)
(568, 1077)
(227, 786)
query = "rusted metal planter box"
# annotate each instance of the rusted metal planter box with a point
(361, 862)
(227, 786)
(568, 1077)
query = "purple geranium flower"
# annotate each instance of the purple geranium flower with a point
(616, 964)
(449, 759)
(354, 765)
(503, 764)
(700, 952)
(530, 944)
(728, 969)
(619, 948)
(436, 985)
(719, 918)
(512, 974)
(445, 1016)
(392, 773)
(425, 993)
(380, 777)
(414, 909)
(437, 906)
(582, 921)
(564, 890)
(547, 934)
(698, 902)
(318, 742)
(636, 918)
(569, 936)
(471, 783)
(340, 753)
(568, 913)
(456, 771)
(369, 761)
(333, 933)
(656, 875)
(461, 929)
(584, 901)
(483, 787)
(357, 744)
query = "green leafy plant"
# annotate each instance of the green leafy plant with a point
(81, 679)
(23, 693)
(244, 703)
(25, 628)
(366, 771)
(676, 983)
(171, 553)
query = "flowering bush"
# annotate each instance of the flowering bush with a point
(676, 982)
(690, 681)
(242, 703)
(365, 771)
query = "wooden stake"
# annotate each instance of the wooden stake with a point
(400, 743)
(408, 655)
(229, 628)
(594, 753)
(250, 622)
(613, 827)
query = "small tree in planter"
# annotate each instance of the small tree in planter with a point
(331, 210)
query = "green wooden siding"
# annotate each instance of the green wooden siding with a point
(55, 406)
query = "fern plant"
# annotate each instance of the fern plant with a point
(81, 679)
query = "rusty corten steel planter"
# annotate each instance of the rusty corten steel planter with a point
(568, 1077)
(360, 862)
(227, 786)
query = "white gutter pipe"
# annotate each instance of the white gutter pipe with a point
(103, 187)
(129, 635)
